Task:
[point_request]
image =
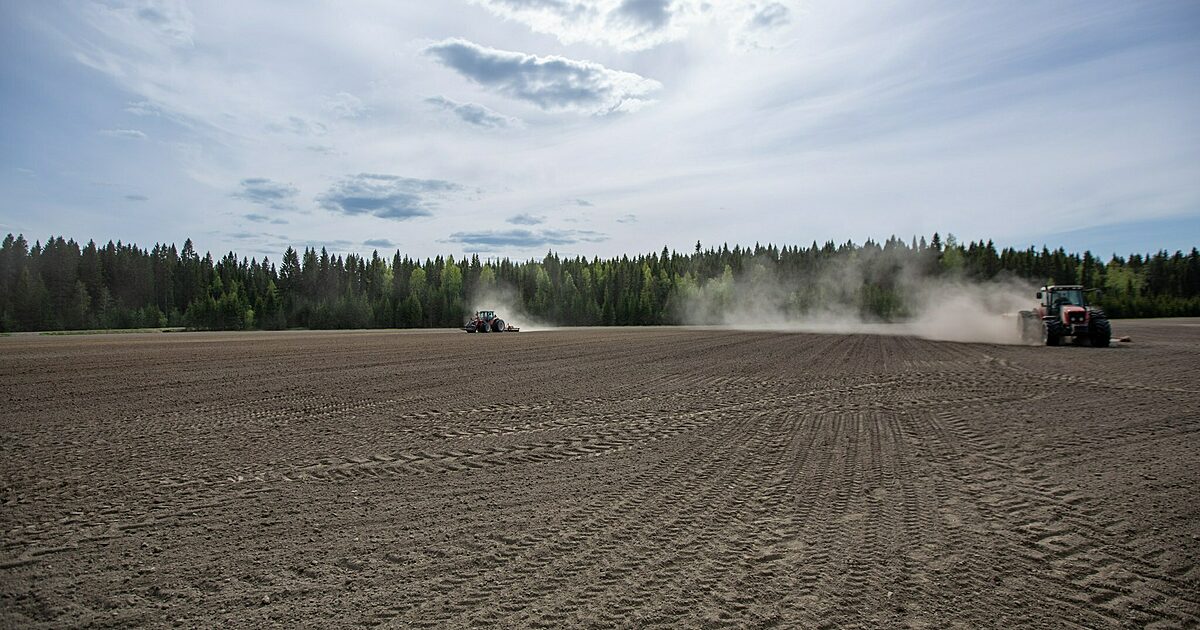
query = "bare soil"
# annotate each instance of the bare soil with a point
(665, 477)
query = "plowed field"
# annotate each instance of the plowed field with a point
(665, 477)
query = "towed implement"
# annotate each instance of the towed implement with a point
(1063, 312)
(488, 321)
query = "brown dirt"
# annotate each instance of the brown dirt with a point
(599, 477)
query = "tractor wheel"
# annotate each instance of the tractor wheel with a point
(497, 325)
(482, 327)
(1100, 330)
(1052, 332)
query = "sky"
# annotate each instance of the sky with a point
(599, 128)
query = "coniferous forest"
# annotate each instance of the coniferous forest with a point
(60, 285)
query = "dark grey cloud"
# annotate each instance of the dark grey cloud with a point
(584, 202)
(551, 83)
(522, 238)
(627, 218)
(264, 192)
(385, 196)
(526, 219)
(473, 113)
(652, 14)
(136, 198)
(123, 133)
(380, 242)
(260, 218)
(770, 16)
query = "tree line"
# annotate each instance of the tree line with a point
(60, 285)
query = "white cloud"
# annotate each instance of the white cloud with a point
(770, 15)
(123, 133)
(143, 108)
(631, 25)
(344, 105)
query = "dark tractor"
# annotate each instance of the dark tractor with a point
(488, 321)
(1062, 312)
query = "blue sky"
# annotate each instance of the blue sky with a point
(510, 127)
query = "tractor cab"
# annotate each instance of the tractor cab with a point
(1055, 297)
(486, 316)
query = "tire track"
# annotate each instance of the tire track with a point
(650, 478)
(1054, 525)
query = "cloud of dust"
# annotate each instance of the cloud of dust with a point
(507, 303)
(842, 296)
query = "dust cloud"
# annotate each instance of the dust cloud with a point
(507, 303)
(848, 297)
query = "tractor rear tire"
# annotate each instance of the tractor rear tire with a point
(1100, 330)
(497, 325)
(1052, 332)
(483, 327)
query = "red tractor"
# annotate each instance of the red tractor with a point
(1063, 311)
(488, 321)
